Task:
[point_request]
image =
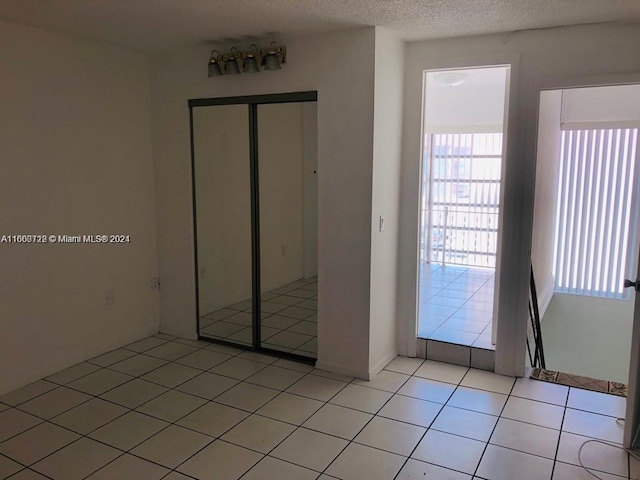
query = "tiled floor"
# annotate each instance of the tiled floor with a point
(289, 319)
(456, 304)
(175, 409)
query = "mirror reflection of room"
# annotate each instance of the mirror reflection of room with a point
(286, 190)
(287, 157)
(223, 221)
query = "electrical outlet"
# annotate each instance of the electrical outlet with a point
(381, 223)
(109, 298)
(155, 284)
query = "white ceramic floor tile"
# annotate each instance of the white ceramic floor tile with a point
(76, 461)
(258, 357)
(269, 468)
(405, 365)
(171, 375)
(54, 402)
(563, 471)
(504, 464)
(442, 372)
(526, 438)
(171, 351)
(145, 344)
(246, 396)
(541, 391)
(602, 403)
(358, 461)
(450, 451)
(117, 355)
(289, 339)
(138, 365)
(531, 411)
(595, 455)
(172, 405)
(333, 376)
(99, 382)
(13, 422)
(134, 393)
(128, 467)
(338, 421)
(172, 446)
(385, 380)
(28, 474)
(465, 423)
(238, 368)
(128, 431)
(361, 398)
(220, 461)
(391, 435)
(309, 449)
(478, 400)
(489, 381)
(203, 359)
(213, 419)
(72, 373)
(592, 425)
(275, 377)
(426, 389)
(176, 476)
(417, 470)
(258, 433)
(90, 415)
(36, 443)
(8, 467)
(290, 408)
(411, 410)
(27, 392)
(207, 385)
(319, 388)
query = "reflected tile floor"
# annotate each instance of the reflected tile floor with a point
(167, 408)
(456, 304)
(289, 319)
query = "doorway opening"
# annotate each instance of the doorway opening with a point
(462, 156)
(585, 229)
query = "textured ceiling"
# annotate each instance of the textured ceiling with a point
(158, 25)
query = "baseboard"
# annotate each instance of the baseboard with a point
(378, 367)
(349, 372)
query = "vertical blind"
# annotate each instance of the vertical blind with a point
(595, 217)
(460, 204)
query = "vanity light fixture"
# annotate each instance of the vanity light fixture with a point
(249, 61)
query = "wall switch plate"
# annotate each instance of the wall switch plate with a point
(381, 223)
(155, 284)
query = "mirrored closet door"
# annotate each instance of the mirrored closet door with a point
(254, 171)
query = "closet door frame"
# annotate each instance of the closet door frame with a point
(252, 102)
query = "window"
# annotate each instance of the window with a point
(460, 198)
(596, 212)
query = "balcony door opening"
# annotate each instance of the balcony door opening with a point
(462, 157)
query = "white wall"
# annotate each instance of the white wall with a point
(546, 194)
(588, 336)
(601, 104)
(477, 105)
(223, 205)
(387, 145)
(75, 157)
(551, 58)
(340, 66)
